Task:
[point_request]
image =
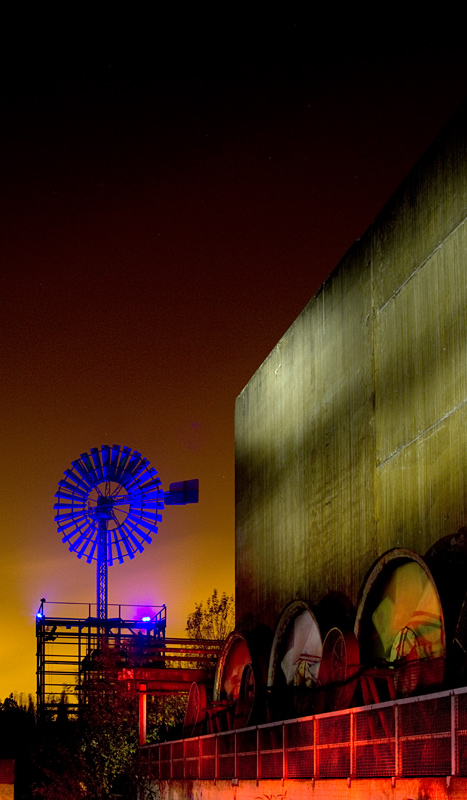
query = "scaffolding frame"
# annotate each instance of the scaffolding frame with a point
(67, 644)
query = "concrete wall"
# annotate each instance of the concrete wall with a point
(381, 789)
(351, 436)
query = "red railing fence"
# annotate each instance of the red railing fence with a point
(418, 736)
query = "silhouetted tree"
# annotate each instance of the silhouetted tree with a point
(214, 620)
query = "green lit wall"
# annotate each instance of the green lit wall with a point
(351, 436)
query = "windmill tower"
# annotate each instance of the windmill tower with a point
(108, 508)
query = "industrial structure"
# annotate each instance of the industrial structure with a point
(74, 647)
(109, 505)
(346, 674)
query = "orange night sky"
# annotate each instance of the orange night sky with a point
(167, 211)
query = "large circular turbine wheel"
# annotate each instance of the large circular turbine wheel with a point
(233, 681)
(400, 622)
(112, 487)
(195, 711)
(339, 664)
(294, 661)
(246, 698)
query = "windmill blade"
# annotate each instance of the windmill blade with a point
(126, 541)
(83, 472)
(149, 517)
(121, 469)
(105, 457)
(88, 465)
(140, 523)
(113, 462)
(71, 475)
(116, 542)
(132, 466)
(140, 468)
(69, 501)
(90, 555)
(97, 463)
(72, 521)
(66, 488)
(84, 533)
(128, 529)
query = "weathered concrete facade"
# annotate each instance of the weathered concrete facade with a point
(401, 789)
(351, 436)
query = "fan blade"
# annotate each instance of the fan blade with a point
(118, 549)
(151, 519)
(91, 555)
(74, 477)
(67, 536)
(131, 530)
(90, 468)
(142, 467)
(97, 463)
(132, 466)
(128, 530)
(74, 519)
(80, 545)
(69, 487)
(84, 532)
(122, 463)
(115, 455)
(72, 501)
(130, 549)
(80, 469)
(137, 522)
(105, 461)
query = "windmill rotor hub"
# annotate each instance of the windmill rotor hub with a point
(104, 508)
(104, 503)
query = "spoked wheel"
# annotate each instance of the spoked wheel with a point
(195, 711)
(339, 664)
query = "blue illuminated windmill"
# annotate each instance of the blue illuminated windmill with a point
(109, 505)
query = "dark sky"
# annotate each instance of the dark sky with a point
(170, 201)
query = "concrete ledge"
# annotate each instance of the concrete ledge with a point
(335, 789)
